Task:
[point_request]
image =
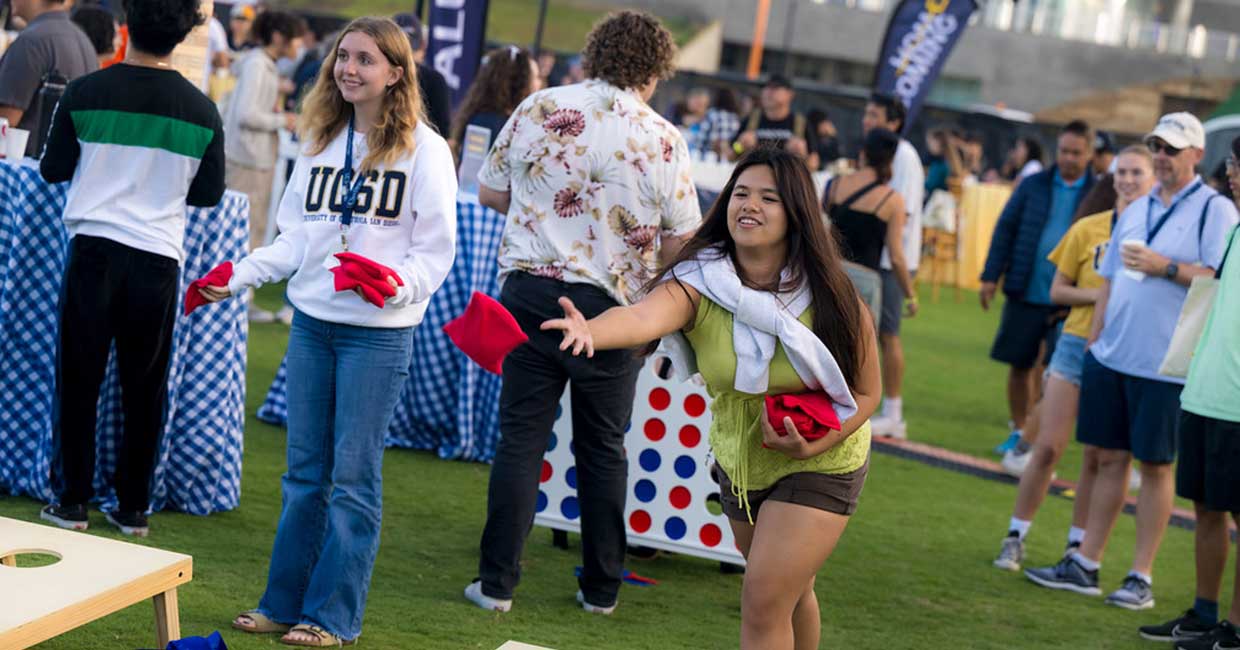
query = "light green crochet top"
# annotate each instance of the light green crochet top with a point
(735, 429)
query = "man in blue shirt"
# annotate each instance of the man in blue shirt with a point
(1128, 410)
(1035, 218)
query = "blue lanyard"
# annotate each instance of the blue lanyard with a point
(350, 197)
(1152, 231)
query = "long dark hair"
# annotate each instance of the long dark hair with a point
(880, 151)
(1100, 199)
(502, 83)
(813, 256)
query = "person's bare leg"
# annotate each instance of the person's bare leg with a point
(892, 365)
(807, 620)
(1211, 543)
(790, 544)
(1085, 488)
(1107, 500)
(1018, 395)
(1056, 416)
(1154, 504)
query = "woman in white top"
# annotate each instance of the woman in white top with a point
(348, 359)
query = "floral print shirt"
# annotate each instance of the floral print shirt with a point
(596, 179)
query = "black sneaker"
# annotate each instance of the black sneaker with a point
(1220, 637)
(130, 523)
(1134, 594)
(1184, 628)
(70, 517)
(1068, 575)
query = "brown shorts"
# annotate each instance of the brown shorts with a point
(837, 493)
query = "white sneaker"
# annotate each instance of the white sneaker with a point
(259, 315)
(593, 609)
(473, 593)
(889, 428)
(285, 315)
(1014, 462)
(1134, 480)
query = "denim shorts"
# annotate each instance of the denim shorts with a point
(1068, 359)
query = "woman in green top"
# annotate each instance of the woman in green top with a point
(793, 497)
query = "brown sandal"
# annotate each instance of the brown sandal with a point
(262, 624)
(322, 638)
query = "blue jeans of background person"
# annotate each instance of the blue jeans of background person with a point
(343, 383)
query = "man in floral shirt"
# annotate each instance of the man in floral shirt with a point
(597, 192)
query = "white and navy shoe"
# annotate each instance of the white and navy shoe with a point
(71, 517)
(594, 609)
(473, 593)
(1068, 575)
(1134, 594)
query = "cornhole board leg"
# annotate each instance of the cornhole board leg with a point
(167, 617)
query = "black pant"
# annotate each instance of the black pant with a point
(113, 292)
(602, 396)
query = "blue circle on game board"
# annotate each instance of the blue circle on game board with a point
(675, 527)
(542, 501)
(559, 410)
(570, 477)
(572, 447)
(569, 508)
(645, 491)
(685, 467)
(551, 443)
(650, 460)
(628, 426)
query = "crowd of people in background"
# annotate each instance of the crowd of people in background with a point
(1094, 253)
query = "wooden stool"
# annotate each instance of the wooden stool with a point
(943, 261)
(93, 578)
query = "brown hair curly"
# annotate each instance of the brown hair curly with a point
(628, 49)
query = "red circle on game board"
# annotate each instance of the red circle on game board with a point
(639, 521)
(680, 497)
(546, 472)
(655, 429)
(690, 436)
(711, 535)
(695, 405)
(660, 399)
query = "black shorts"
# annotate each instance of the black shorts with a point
(1023, 328)
(1120, 411)
(837, 493)
(1208, 470)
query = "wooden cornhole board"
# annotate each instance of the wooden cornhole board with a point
(94, 577)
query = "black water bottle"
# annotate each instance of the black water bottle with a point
(51, 87)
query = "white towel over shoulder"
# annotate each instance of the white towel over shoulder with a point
(760, 319)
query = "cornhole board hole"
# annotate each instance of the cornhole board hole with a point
(94, 577)
(517, 645)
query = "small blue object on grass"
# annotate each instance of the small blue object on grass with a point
(1009, 444)
(213, 642)
(629, 577)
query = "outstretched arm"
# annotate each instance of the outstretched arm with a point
(669, 307)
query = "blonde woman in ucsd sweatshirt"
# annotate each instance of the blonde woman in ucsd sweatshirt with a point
(347, 358)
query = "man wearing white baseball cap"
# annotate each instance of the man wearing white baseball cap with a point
(1158, 245)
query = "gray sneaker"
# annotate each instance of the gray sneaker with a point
(1134, 594)
(1068, 575)
(1011, 554)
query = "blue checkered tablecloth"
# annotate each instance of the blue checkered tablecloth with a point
(450, 405)
(199, 461)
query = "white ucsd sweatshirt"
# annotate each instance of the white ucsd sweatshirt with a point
(405, 219)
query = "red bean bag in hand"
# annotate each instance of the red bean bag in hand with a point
(811, 413)
(349, 276)
(217, 277)
(486, 332)
(372, 268)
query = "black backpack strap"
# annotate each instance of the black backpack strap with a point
(1201, 225)
(1230, 240)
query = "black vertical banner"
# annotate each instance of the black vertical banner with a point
(457, 36)
(919, 38)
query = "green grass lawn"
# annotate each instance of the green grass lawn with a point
(912, 571)
(508, 21)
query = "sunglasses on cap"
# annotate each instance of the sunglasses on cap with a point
(1158, 146)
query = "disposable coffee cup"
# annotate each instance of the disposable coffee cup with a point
(15, 143)
(1133, 244)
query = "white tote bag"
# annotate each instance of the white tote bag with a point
(1192, 322)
